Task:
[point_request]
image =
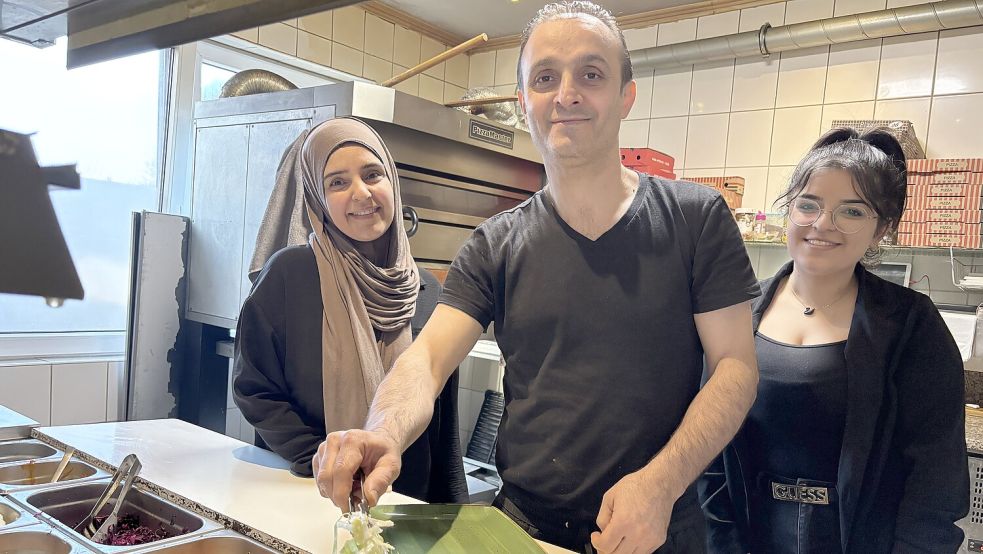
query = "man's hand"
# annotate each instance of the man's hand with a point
(634, 516)
(340, 456)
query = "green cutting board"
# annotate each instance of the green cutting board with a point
(453, 529)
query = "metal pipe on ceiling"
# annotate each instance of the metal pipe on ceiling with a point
(922, 18)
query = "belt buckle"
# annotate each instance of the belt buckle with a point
(803, 494)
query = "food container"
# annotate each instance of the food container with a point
(225, 542)
(940, 241)
(14, 516)
(38, 539)
(944, 203)
(902, 130)
(64, 507)
(944, 179)
(745, 222)
(939, 228)
(651, 160)
(939, 189)
(964, 216)
(936, 165)
(23, 450)
(33, 474)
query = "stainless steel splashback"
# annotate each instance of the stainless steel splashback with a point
(456, 170)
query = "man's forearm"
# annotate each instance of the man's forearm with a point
(403, 404)
(711, 421)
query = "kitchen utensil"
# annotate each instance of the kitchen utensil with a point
(125, 474)
(62, 465)
(423, 66)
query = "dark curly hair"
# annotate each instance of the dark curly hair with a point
(875, 161)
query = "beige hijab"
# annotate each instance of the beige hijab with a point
(358, 296)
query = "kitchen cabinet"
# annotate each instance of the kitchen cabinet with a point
(78, 393)
(234, 173)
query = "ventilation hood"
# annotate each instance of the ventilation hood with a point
(100, 30)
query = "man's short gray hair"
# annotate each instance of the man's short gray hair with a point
(569, 9)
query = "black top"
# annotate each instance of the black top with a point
(795, 427)
(602, 353)
(277, 380)
(902, 480)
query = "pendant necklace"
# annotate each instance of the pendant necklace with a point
(809, 310)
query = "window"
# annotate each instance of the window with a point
(108, 118)
(213, 78)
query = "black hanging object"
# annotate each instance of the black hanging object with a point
(809, 310)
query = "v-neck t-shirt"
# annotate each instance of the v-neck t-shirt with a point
(602, 352)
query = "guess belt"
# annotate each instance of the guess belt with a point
(800, 493)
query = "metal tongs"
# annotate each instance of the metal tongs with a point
(356, 500)
(126, 474)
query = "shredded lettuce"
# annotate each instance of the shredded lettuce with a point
(366, 534)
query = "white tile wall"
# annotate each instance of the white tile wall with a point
(634, 133)
(376, 69)
(359, 43)
(671, 89)
(349, 27)
(852, 73)
(346, 59)
(802, 77)
(907, 66)
(850, 7)
(428, 49)
(755, 84)
(280, 37)
(506, 61)
(849, 110)
(959, 63)
(678, 31)
(916, 110)
(753, 18)
(642, 109)
(319, 23)
(706, 142)
(379, 37)
(482, 70)
(668, 135)
(313, 48)
(797, 11)
(637, 39)
(456, 71)
(431, 89)
(954, 129)
(718, 25)
(406, 47)
(749, 138)
(795, 130)
(712, 87)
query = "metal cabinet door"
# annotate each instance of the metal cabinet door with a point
(267, 144)
(218, 204)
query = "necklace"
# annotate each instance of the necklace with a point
(809, 310)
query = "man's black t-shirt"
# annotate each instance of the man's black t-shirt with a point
(602, 353)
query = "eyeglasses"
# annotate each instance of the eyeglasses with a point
(847, 218)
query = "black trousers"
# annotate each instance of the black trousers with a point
(571, 530)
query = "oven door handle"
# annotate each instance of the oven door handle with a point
(410, 214)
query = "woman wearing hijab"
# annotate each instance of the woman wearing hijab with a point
(325, 321)
(856, 441)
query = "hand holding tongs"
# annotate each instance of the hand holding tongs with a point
(126, 474)
(356, 500)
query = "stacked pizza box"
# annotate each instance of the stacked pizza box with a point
(649, 161)
(944, 201)
(731, 188)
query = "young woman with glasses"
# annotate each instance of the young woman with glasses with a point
(856, 440)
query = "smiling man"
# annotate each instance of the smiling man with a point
(609, 290)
